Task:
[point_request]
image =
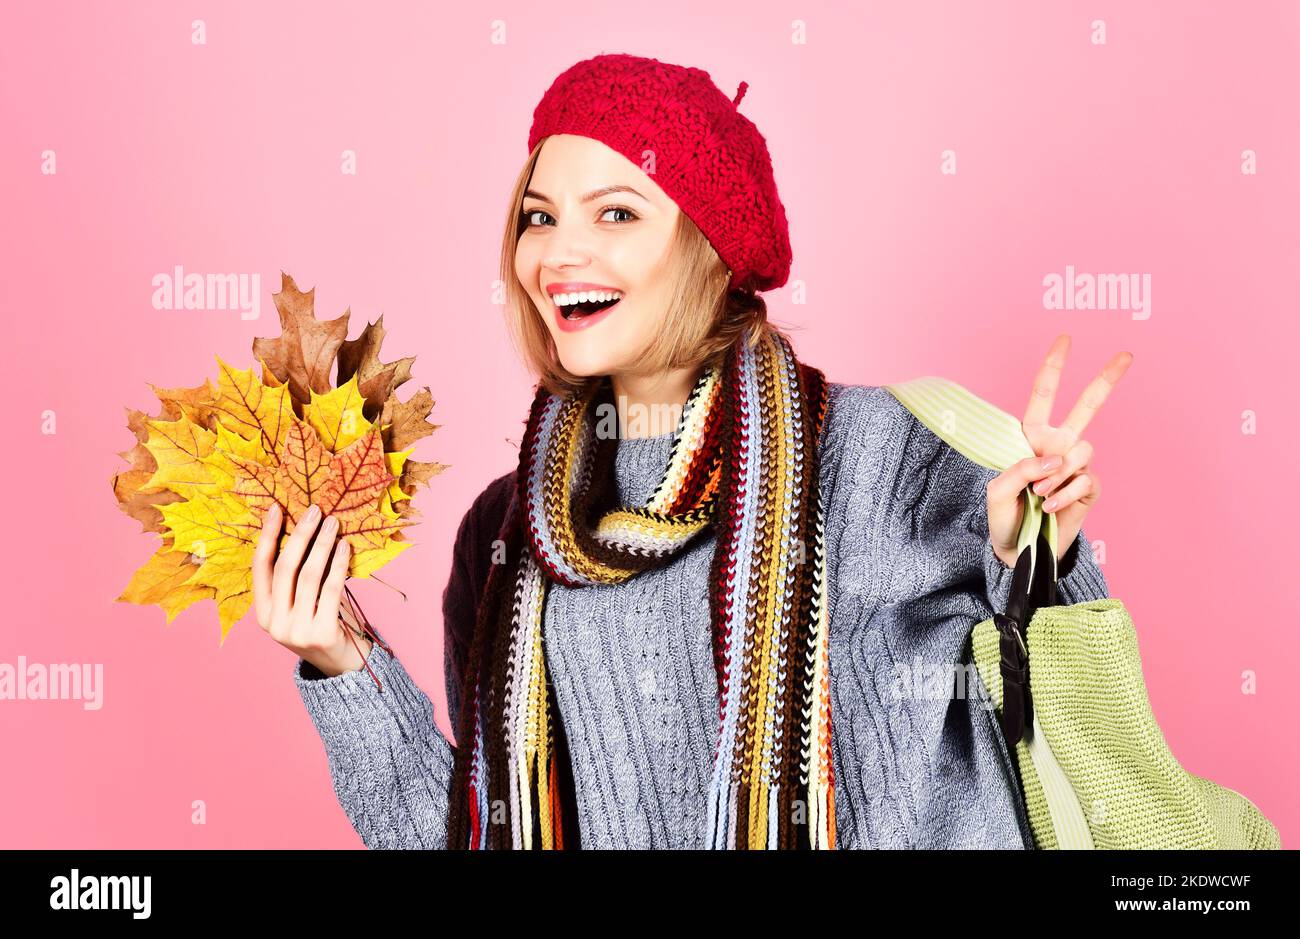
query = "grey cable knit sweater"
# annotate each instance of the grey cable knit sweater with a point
(910, 572)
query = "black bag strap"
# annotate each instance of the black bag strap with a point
(1013, 628)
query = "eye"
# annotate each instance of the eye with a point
(619, 208)
(526, 216)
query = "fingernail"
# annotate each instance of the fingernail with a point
(312, 514)
(1049, 505)
(331, 523)
(1051, 462)
(1042, 486)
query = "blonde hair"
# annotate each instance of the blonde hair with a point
(704, 318)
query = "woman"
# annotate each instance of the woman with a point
(696, 613)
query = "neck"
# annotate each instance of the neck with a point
(651, 405)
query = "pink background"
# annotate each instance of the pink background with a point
(225, 157)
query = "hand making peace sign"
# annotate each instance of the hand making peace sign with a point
(1065, 472)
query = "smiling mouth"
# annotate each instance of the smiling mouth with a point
(577, 311)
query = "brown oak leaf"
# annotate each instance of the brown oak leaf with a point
(377, 380)
(404, 422)
(303, 355)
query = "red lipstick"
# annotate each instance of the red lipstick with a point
(573, 286)
(582, 322)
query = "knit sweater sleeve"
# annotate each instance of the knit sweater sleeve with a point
(390, 764)
(951, 506)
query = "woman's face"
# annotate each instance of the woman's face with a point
(580, 237)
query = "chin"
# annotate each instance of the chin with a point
(585, 363)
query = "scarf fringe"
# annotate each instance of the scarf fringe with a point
(761, 830)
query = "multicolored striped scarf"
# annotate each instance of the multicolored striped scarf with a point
(744, 461)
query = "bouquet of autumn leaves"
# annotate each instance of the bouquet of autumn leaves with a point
(205, 471)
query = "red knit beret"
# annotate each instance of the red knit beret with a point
(707, 156)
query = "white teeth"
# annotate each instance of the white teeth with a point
(588, 296)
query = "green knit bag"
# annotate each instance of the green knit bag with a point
(1095, 770)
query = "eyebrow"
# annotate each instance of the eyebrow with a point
(594, 194)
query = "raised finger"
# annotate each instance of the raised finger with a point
(1098, 390)
(286, 568)
(327, 611)
(1039, 409)
(263, 555)
(307, 588)
(1076, 458)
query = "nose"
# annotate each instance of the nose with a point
(566, 250)
(566, 247)
(559, 260)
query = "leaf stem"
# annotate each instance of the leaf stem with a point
(354, 609)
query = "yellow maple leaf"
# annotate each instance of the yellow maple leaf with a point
(336, 417)
(205, 525)
(364, 563)
(228, 572)
(249, 408)
(179, 447)
(228, 448)
(163, 579)
(396, 462)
